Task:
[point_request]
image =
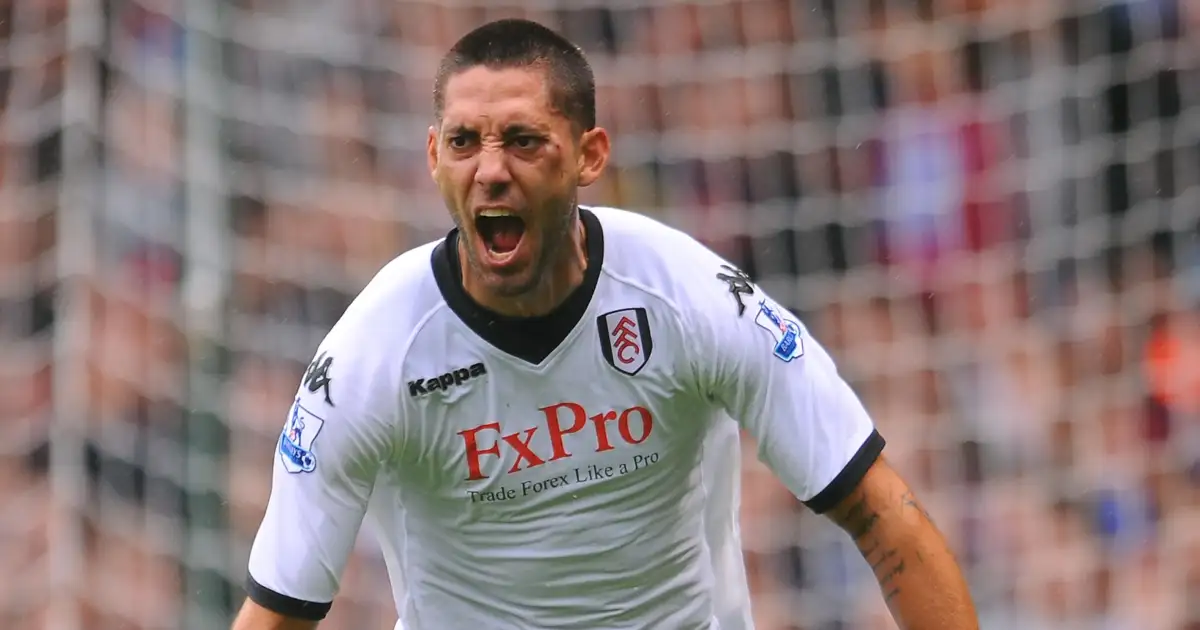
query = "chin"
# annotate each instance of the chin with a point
(511, 286)
(502, 282)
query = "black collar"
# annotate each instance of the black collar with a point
(529, 338)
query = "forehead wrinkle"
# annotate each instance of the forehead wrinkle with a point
(508, 120)
(522, 90)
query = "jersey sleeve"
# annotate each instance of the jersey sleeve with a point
(760, 364)
(333, 442)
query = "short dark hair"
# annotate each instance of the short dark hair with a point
(516, 43)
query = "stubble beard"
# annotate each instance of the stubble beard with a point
(554, 246)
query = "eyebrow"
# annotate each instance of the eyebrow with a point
(519, 129)
(515, 129)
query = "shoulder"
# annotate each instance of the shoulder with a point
(400, 295)
(630, 234)
(368, 343)
(663, 260)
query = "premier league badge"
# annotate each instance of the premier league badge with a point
(296, 442)
(789, 340)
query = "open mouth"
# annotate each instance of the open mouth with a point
(501, 231)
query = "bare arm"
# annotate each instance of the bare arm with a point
(918, 574)
(255, 617)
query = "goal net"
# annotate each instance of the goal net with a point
(988, 210)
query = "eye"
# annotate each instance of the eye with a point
(460, 141)
(526, 142)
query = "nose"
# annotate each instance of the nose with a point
(492, 170)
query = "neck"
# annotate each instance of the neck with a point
(566, 272)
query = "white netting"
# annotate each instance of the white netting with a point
(987, 209)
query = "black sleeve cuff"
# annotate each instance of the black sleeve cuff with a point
(847, 480)
(284, 605)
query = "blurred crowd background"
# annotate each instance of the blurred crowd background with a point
(989, 211)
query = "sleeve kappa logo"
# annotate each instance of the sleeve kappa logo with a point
(739, 285)
(625, 339)
(316, 377)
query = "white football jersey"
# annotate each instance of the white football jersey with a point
(578, 470)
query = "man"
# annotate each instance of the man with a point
(532, 411)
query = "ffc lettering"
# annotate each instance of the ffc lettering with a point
(317, 376)
(630, 426)
(739, 285)
(626, 340)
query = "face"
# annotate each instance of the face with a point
(509, 165)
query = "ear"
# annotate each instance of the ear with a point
(431, 152)
(594, 148)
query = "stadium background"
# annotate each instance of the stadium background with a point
(987, 209)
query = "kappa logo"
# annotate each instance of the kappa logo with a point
(789, 337)
(296, 441)
(442, 382)
(739, 285)
(317, 376)
(625, 339)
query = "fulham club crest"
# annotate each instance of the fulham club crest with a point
(625, 339)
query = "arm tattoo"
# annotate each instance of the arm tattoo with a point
(909, 501)
(859, 520)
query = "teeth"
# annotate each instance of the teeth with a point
(495, 213)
